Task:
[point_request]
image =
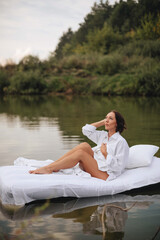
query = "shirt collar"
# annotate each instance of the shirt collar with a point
(115, 135)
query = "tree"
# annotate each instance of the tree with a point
(95, 19)
(148, 6)
(66, 38)
(4, 82)
(29, 62)
(123, 17)
(102, 40)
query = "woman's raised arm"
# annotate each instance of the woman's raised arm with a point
(99, 123)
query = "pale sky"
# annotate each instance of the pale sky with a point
(35, 26)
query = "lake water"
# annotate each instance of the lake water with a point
(45, 128)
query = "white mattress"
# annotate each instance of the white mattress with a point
(18, 187)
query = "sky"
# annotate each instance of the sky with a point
(35, 26)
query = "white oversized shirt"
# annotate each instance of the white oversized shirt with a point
(117, 151)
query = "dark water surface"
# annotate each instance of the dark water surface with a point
(47, 127)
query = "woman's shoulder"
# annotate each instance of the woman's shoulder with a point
(123, 141)
(121, 138)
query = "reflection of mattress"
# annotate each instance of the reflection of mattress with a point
(18, 187)
(72, 204)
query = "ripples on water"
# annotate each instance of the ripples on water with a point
(47, 127)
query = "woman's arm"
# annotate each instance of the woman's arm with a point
(94, 135)
(99, 123)
(116, 162)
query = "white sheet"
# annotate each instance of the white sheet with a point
(21, 161)
(18, 187)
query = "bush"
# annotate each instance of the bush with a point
(28, 82)
(73, 61)
(4, 83)
(80, 85)
(55, 84)
(148, 81)
(136, 63)
(147, 48)
(150, 48)
(90, 61)
(110, 64)
(98, 83)
(86, 62)
(150, 28)
(120, 84)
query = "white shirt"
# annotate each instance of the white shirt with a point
(117, 151)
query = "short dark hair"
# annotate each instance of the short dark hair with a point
(121, 124)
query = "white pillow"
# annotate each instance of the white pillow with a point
(141, 155)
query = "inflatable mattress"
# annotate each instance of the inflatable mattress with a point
(18, 187)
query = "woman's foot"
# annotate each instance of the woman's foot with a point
(42, 170)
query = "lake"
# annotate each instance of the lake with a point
(45, 127)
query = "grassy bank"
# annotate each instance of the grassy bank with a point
(133, 69)
(115, 51)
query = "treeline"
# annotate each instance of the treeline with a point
(107, 27)
(115, 51)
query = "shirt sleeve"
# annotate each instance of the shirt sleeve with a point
(116, 163)
(93, 134)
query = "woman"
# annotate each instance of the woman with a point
(105, 161)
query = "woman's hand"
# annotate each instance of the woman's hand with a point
(99, 124)
(104, 149)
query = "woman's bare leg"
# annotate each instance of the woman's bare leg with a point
(83, 146)
(80, 156)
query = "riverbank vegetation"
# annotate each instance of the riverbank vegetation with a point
(115, 51)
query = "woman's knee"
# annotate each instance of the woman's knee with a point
(80, 153)
(87, 148)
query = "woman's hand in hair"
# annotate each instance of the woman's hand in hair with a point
(99, 123)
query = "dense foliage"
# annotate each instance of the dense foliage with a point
(116, 50)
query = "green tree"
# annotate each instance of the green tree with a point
(150, 27)
(95, 19)
(124, 16)
(29, 62)
(148, 6)
(103, 40)
(4, 83)
(65, 39)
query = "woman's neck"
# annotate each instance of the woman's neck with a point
(110, 133)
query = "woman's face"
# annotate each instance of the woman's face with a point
(110, 122)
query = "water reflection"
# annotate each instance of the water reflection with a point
(42, 127)
(71, 113)
(104, 216)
